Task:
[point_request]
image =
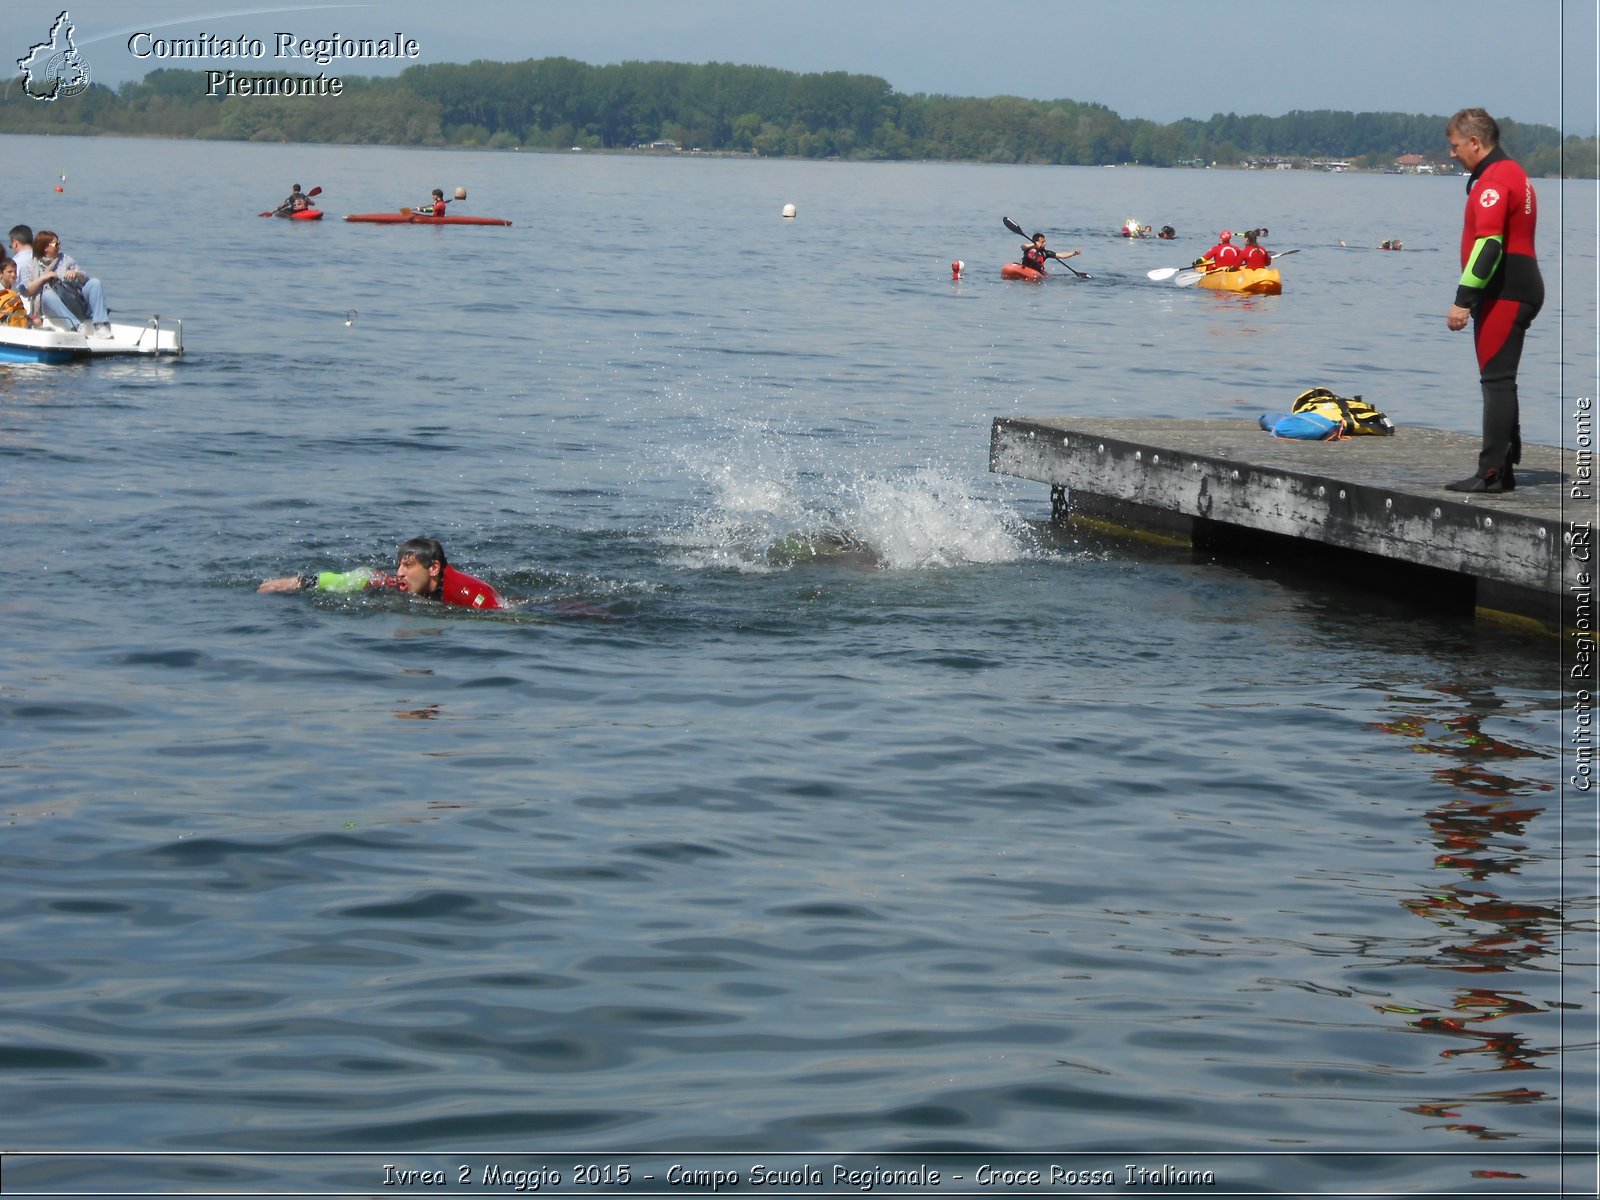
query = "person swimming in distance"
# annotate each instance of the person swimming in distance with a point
(420, 570)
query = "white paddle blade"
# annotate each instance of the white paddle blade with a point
(1189, 278)
(1161, 273)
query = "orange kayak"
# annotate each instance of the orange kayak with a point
(1263, 282)
(1018, 271)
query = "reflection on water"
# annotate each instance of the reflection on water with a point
(1480, 836)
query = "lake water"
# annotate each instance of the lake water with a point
(877, 822)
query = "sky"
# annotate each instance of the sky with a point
(1158, 59)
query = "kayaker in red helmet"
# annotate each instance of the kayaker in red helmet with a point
(1224, 256)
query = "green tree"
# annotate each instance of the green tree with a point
(560, 102)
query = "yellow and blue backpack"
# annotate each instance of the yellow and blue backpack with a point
(1358, 416)
(1319, 415)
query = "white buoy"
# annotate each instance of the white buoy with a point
(788, 212)
(461, 193)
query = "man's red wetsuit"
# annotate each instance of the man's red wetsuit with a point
(1501, 284)
(460, 589)
(455, 587)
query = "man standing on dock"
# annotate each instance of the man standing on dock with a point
(1500, 289)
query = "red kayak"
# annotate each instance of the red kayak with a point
(305, 214)
(399, 218)
(1018, 271)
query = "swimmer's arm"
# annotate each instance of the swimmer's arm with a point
(324, 581)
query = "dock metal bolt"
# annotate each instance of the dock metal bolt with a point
(1488, 522)
(1321, 491)
(1236, 477)
(1341, 493)
(1388, 504)
(1155, 460)
(1100, 449)
(1138, 456)
(1439, 512)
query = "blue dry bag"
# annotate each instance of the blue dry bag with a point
(1311, 427)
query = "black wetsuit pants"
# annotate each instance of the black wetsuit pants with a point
(1498, 327)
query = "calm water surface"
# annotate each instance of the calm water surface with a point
(876, 816)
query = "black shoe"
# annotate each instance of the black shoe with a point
(1508, 479)
(1493, 482)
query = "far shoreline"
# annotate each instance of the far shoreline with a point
(746, 155)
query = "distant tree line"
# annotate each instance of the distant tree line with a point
(722, 107)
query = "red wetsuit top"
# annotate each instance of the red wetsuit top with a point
(455, 587)
(1223, 256)
(459, 588)
(1497, 257)
(1256, 258)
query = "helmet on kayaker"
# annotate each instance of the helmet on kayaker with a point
(1225, 236)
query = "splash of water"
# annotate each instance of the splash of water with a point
(763, 514)
(928, 519)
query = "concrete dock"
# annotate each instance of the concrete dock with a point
(1377, 502)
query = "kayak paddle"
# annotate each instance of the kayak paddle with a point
(1017, 229)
